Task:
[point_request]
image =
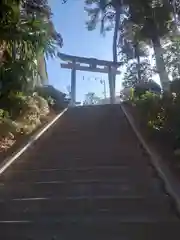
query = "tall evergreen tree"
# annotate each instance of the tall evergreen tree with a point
(153, 18)
(155, 22)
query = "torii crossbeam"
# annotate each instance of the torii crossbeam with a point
(91, 65)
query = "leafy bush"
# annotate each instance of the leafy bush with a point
(142, 88)
(3, 114)
(50, 101)
(42, 104)
(22, 113)
(36, 110)
(13, 103)
(161, 113)
(148, 106)
(175, 86)
(54, 97)
(8, 128)
(127, 94)
(26, 113)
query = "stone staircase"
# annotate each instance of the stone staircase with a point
(87, 178)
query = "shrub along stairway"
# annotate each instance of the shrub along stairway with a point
(88, 178)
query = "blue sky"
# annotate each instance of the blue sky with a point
(69, 20)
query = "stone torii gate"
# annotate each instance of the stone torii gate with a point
(91, 65)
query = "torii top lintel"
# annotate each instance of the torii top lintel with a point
(95, 61)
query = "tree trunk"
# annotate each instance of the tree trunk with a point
(160, 64)
(116, 29)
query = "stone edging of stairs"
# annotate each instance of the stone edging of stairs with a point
(172, 185)
(10, 160)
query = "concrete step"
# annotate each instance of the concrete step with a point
(134, 207)
(100, 148)
(86, 219)
(89, 179)
(76, 188)
(79, 159)
(68, 174)
(123, 231)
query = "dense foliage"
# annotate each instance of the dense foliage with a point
(27, 38)
(131, 75)
(27, 33)
(135, 23)
(161, 113)
(152, 23)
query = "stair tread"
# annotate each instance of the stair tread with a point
(90, 188)
(134, 207)
(89, 178)
(127, 231)
(81, 173)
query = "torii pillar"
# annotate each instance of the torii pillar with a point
(73, 84)
(112, 83)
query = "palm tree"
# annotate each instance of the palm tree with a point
(108, 14)
(26, 34)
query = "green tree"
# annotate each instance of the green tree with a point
(27, 33)
(172, 57)
(131, 78)
(152, 19)
(155, 21)
(107, 13)
(132, 51)
(91, 99)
